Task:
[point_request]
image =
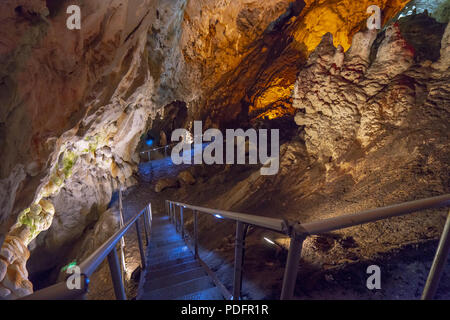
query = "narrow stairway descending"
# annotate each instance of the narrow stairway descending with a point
(172, 272)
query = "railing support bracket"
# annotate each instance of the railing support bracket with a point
(291, 271)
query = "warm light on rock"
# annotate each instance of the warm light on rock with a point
(341, 18)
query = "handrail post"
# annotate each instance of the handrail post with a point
(141, 247)
(238, 260)
(291, 271)
(150, 218)
(116, 275)
(122, 240)
(174, 215)
(146, 232)
(174, 220)
(439, 262)
(182, 222)
(195, 234)
(177, 222)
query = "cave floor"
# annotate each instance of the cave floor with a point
(333, 266)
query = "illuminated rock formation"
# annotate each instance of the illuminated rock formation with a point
(76, 103)
(346, 99)
(341, 18)
(264, 78)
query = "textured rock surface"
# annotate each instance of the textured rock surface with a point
(186, 177)
(263, 79)
(13, 271)
(346, 99)
(166, 183)
(76, 103)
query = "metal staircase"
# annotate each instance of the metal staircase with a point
(172, 270)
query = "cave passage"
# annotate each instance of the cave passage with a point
(224, 150)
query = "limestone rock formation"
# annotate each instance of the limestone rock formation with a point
(346, 99)
(166, 183)
(264, 77)
(14, 254)
(76, 103)
(186, 177)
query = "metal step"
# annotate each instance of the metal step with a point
(164, 227)
(167, 254)
(163, 230)
(173, 279)
(172, 271)
(168, 264)
(152, 248)
(208, 294)
(179, 290)
(164, 241)
(151, 274)
(166, 258)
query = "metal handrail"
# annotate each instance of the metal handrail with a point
(158, 148)
(299, 232)
(163, 147)
(350, 220)
(273, 224)
(91, 263)
(60, 291)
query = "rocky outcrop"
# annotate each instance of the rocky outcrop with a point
(347, 100)
(261, 84)
(166, 183)
(186, 177)
(14, 281)
(84, 97)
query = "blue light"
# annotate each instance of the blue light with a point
(218, 216)
(149, 142)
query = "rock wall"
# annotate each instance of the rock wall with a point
(76, 102)
(265, 69)
(346, 99)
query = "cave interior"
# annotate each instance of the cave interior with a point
(344, 106)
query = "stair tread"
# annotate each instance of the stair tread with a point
(207, 294)
(170, 245)
(167, 264)
(160, 252)
(172, 271)
(179, 290)
(173, 279)
(168, 258)
(163, 241)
